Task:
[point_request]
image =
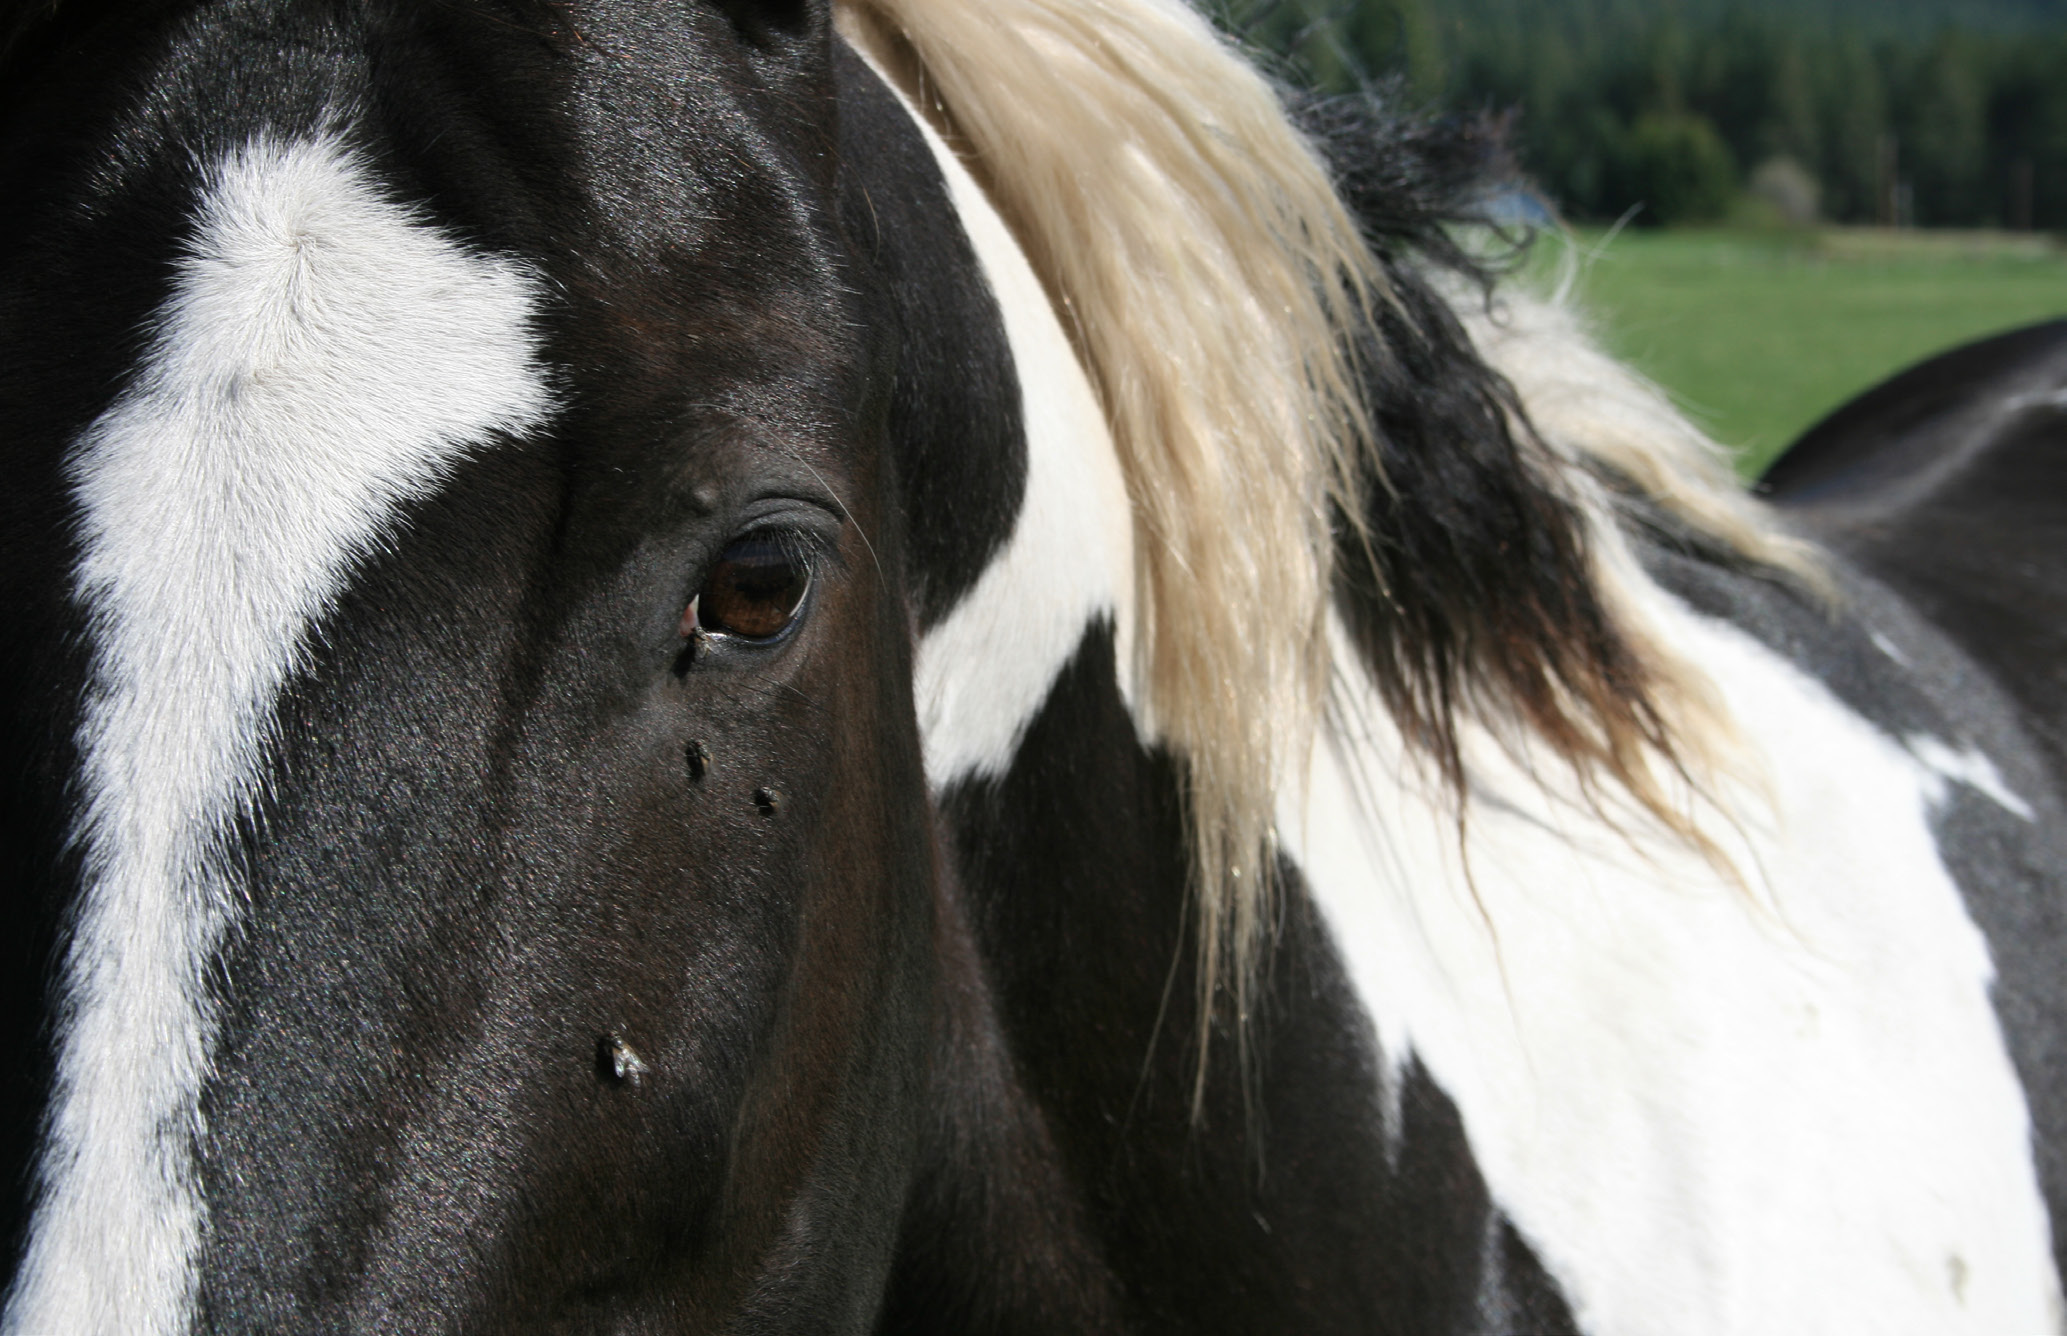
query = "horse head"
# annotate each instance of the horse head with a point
(501, 885)
(675, 666)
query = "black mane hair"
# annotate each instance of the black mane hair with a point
(1467, 578)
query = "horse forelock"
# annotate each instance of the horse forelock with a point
(324, 356)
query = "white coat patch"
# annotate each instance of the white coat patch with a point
(325, 357)
(1968, 767)
(986, 668)
(1709, 1111)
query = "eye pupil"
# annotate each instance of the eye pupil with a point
(754, 590)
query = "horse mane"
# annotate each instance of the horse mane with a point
(1320, 405)
(1320, 409)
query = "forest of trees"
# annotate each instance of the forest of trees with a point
(1927, 112)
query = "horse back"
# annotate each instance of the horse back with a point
(1949, 484)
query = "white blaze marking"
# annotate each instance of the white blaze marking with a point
(325, 357)
(1708, 1111)
(985, 669)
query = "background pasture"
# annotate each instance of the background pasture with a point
(1775, 203)
(1759, 335)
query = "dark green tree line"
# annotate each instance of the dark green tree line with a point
(1934, 112)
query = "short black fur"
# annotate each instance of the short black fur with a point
(1907, 678)
(1067, 1185)
(585, 981)
(1943, 495)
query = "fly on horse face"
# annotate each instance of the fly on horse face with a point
(925, 666)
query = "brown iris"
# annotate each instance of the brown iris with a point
(754, 591)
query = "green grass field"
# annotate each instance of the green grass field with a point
(1759, 335)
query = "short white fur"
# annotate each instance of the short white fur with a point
(1709, 1111)
(325, 356)
(985, 669)
(1969, 767)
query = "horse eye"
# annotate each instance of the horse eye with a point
(754, 591)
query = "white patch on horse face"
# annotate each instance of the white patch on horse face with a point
(986, 668)
(325, 357)
(1968, 767)
(1709, 1111)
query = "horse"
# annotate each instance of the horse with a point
(903, 665)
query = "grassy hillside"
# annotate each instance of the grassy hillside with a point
(1759, 336)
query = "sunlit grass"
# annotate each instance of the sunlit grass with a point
(1758, 335)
